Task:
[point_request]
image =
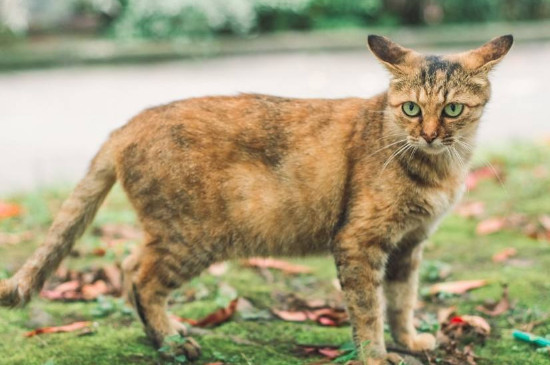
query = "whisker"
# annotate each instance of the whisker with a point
(387, 146)
(394, 155)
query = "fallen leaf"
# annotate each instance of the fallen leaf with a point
(66, 290)
(66, 328)
(88, 285)
(94, 290)
(478, 323)
(99, 251)
(545, 221)
(324, 316)
(9, 210)
(330, 352)
(471, 209)
(291, 316)
(218, 269)
(443, 314)
(501, 307)
(216, 318)
(505, 254)
(482, 173)
(15, 238)
(491, 225)
(457, 287)
(269, 263)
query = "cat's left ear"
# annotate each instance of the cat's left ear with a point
(397, 59)
(487, 56)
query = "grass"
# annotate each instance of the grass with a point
(118, 338)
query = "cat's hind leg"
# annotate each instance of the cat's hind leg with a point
(152, 274)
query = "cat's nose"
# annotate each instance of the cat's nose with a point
(430, 136)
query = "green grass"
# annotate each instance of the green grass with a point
(118, 337)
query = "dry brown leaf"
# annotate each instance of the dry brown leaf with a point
(9, 210)
(471, 209)
(501, 307)
(64, 291)
(330, 352)
(269, 263)
(216, 318)
(94, 290)
(457, 287)
(505, 254)
(66, 328)
(325, 316)
(491, 225)
(291, 316)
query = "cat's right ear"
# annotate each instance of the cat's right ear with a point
(395, 58)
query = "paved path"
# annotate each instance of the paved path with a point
(53, 121)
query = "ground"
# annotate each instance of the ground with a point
(117, 336)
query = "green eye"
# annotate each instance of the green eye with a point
(411, 109)
(453, 110)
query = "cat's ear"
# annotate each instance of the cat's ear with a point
(395, 58)
(487, 56)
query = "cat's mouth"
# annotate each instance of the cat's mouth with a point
(433, 148)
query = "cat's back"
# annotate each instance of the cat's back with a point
(255, 162)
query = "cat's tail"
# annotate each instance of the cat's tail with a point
(71, 221)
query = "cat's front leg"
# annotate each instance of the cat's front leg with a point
(360, 263)
(401, 286)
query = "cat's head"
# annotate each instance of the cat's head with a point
(436, 101)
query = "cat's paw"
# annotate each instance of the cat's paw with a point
(177, 346)
(388, 359)
(422, 342)
(179, 327)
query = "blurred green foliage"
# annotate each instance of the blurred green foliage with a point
(166, 19)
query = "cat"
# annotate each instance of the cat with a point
(218, 178)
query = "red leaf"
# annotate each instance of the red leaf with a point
(216, 318)
(505, 254)
(66, 328)
(457, 287)
(269, 263)
(480, 174)
(491, 225)
(471, 209)
(8, 210)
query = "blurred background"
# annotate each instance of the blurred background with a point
(73, 70)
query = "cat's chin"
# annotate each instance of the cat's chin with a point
(433, 150)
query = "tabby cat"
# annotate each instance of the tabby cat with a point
(218, 178)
